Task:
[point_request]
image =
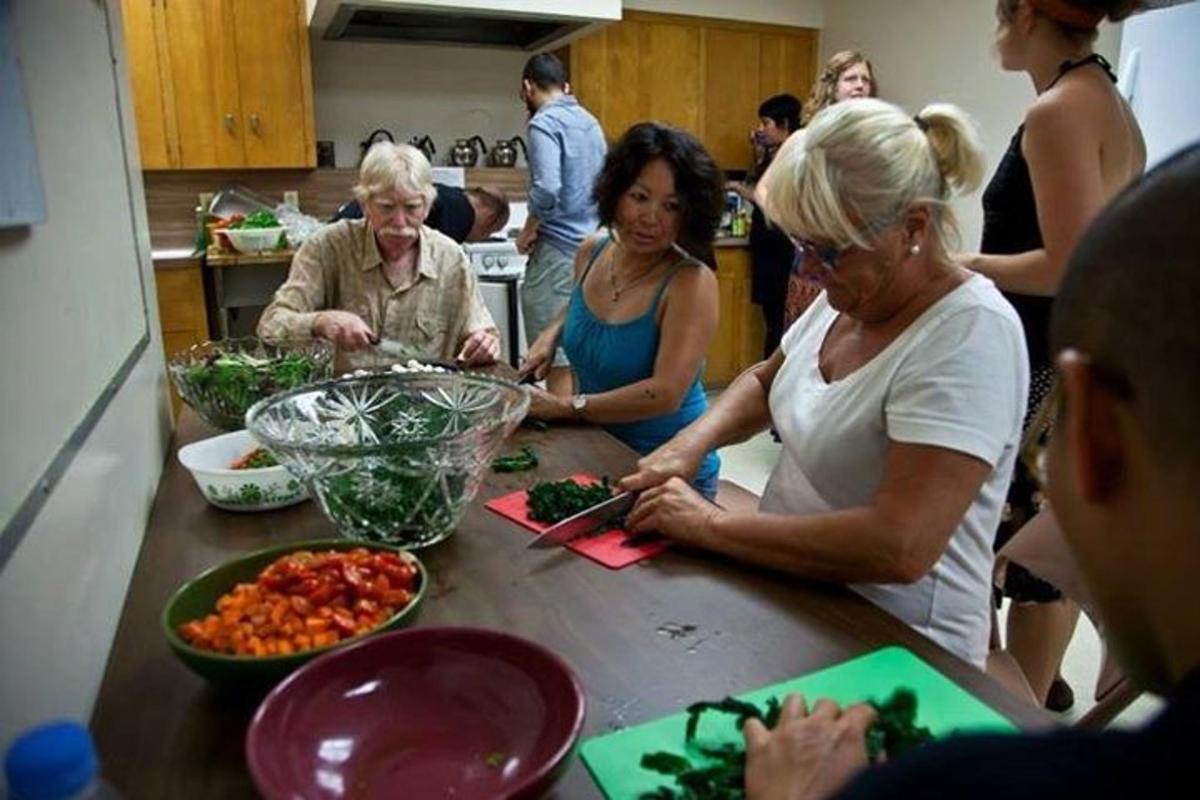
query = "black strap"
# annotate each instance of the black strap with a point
(1094, 58)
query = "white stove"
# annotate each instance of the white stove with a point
(498, 257)
(500, 269)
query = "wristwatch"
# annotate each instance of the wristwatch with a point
(579, 404)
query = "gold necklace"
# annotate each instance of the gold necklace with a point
(612, 277)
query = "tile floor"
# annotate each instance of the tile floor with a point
(750, 463)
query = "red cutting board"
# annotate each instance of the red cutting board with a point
(606, 548)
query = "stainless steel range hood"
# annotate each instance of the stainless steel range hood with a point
(508, 24)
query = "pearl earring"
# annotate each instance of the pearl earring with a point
(916, 248)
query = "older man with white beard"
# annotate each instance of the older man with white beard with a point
(387, 275)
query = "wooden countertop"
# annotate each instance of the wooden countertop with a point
(164, 732)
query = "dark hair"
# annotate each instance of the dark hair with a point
(783, 109)
(1112, 10)
(546, 71)
(494, 200)
(1130, 300)
(699, 183)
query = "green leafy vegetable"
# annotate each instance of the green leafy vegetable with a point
(553, 501)
(522, 461)
(259, 219)
(722, 776)
(236, 381)
(396, 497)
(895, 730)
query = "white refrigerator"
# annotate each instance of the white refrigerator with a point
(1160, 75)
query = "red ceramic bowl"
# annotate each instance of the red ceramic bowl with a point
(421, 713)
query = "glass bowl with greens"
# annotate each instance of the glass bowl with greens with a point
(391, 457)
(222, 379)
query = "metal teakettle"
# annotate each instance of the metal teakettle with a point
(465, 152)
(425, 145)
(504, 153)
(377, 135)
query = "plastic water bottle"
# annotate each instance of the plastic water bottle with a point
(56, 761)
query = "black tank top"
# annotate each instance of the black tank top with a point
(1010, 226)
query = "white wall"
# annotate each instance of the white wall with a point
(941, 50)
(62, 590)
(800, 13)
(445, 92)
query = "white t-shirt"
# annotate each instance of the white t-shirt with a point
(956, 378)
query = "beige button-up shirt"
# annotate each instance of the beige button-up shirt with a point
(339, 267)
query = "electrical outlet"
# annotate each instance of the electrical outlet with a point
(292, 198)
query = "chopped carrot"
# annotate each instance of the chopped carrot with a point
(306, 600)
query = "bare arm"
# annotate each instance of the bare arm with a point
(897, 538)
(1061, 147)
(688, 323)
(740, 412)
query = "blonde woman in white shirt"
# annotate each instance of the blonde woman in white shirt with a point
(898, 395)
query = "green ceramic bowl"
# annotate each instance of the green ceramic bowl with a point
(198, 598)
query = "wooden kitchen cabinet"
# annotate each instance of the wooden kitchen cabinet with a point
(731, 95)
(738, 341)
(787, 64)
(143, 22)
(230, 86)
(639, 70)
(276, 103)
(181, 310)
(705, 75)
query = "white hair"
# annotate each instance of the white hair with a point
(860, 165)
(389, 166)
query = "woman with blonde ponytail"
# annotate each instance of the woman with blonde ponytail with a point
(898, 395)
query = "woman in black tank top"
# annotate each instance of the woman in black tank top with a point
(1062, 135)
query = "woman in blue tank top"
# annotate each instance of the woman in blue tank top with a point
(644, 308)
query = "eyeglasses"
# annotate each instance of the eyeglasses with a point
(826, 256)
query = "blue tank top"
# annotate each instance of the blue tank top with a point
(608, 355)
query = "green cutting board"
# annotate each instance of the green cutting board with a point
(942, 706)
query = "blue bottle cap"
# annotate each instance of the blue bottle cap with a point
(51, 762)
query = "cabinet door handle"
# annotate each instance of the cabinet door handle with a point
(229, 122)
(254, 123)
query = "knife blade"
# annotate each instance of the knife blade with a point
(585, 521)
(394, 348)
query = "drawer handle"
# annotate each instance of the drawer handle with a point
(254, 123)
(229, 122)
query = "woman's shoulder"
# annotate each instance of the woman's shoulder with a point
(1079, 101)
(973, 303)
(690, 276)
(589, 250)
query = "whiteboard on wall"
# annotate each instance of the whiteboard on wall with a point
(1160, 71)
(21, 199)
(73, 312)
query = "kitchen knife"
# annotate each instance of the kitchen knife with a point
(586, 521)
(394, 348)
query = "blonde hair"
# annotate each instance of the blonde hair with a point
(389, 166)
(861, 166)
(825, 87)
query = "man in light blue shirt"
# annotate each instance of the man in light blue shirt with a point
(566, 153)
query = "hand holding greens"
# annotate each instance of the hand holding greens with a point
(722, 775)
